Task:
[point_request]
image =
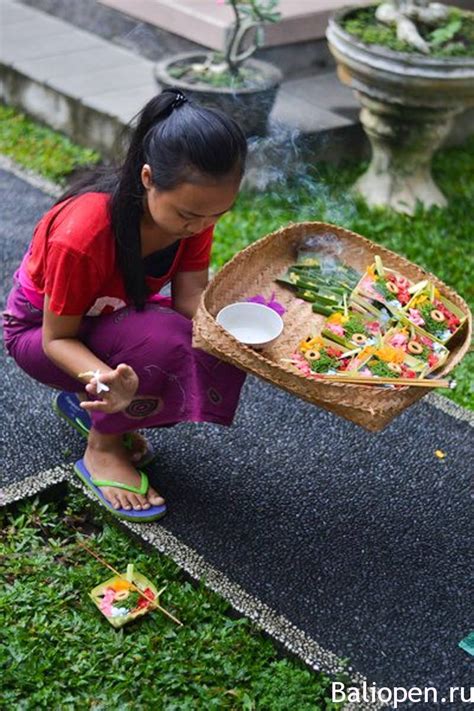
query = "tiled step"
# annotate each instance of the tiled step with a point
(206, 22)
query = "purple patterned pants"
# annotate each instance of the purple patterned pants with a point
(178, 383)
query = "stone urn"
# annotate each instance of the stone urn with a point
(249, 105)
(408, 104)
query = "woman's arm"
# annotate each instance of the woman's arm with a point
(186, 291)
(62, 347)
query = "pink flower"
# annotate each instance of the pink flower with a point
(372, 327)
(106, 602)
(415, 317)
(402, 281)
(335, 328)
(398, 340)
(403, 296)
(426, 341)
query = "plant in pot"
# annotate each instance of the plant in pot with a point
(231, 80)
(411, 64)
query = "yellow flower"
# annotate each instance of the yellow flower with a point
(311, 343)
(371, 271)
(389, 354)
(120, 585)
(420, 300)
(338, 318)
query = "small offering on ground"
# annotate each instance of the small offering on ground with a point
(123, 599)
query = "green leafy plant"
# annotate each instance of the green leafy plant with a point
(227, 68)
(455, 38)
(249, 16)
(445, 34)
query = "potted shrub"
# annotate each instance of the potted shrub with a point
(231, 80)
(411, 64)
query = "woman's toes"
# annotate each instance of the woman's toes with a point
(154, 498)
(114, 501)
(136, 502)
(125, 502)
(143, 501)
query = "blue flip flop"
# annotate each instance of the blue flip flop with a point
(151, 514)
(67, 406)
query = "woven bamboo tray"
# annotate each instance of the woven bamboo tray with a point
(254, 270)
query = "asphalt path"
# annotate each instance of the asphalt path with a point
(363, 541)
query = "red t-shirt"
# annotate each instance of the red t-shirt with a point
(72, 259)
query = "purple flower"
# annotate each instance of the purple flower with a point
(271, 303)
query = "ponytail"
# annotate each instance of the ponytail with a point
(181, 141)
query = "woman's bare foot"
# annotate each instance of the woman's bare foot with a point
(107, 458)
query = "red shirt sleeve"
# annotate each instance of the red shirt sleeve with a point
(196, 254)
(72, 281)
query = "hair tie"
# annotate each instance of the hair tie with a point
(179, 99)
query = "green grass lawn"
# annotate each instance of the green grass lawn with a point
(59, 653)
(40, 149)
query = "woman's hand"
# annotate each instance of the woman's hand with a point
(122, 383)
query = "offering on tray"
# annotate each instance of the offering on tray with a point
(325, 284)
(387, 361)
(433, 314)
(119, 598)
(382, 286)
(316, 354)
(418, 345)
(352, 329)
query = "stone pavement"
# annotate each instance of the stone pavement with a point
(337, 542)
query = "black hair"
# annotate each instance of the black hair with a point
(182, 142)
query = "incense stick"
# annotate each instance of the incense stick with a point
(376, 380)
(134, 587)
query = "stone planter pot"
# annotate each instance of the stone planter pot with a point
(249, 106)
(408, 105)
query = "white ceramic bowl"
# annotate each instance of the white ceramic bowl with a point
(255, 325)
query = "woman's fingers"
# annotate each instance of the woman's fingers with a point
(122, 384)
(99, 405)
